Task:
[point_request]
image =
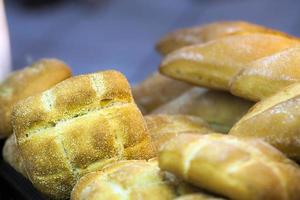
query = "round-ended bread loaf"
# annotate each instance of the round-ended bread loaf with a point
(76, 127)
(31, 80)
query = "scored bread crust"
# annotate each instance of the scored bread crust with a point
(235, 167)
(275, 119)
(125, 180)
(215, 63)
(156, 90)
(77, 127)
(164, 127)
(204, 33)
(31, 80)
(264, 77)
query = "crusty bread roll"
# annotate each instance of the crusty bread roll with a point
(12, 156)
(163, 127)
(215, 63)
(198, 196)
(204, 33)
(33, 79)
(219, 109)
(276, 120)
(76, 127)
(264, 77)
(130, 180)
(156, 90)
(237, 168)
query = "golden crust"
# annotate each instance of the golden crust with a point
(156, 90)
(33, 79)
(264, 77)
(215, 63)
(198, 196)
(237, 168)
(276, 120)
(77, 127)
(162, 127)
(125, 180)
(204, 33)
(12, 156)
(219, 109)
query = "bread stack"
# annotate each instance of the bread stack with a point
(218, 120)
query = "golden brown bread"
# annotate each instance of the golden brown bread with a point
(215, 63)
(276, 120)
(163, 127)
(219, 109)
(264, 77)
(204, 33)
(12, 156)
(76, 127)
(156, 90)
(198, 196)
(125, 180)
(31, 80)
(130, 179)
(238, 168)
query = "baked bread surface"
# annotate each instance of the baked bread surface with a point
(77, 127)
(31, 80)
(237, 168)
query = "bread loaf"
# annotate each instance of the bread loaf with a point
(237, 168)
(219, 109)
(157, 90)
(266, 76)
(77, 127)
(12, 156)
(276, 120)
(215, 63)
(204, 33)
(31, 80)
(162, 127)
(126, 180)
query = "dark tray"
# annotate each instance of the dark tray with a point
(13, 186)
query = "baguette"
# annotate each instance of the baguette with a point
(204, 33)
(31, 80)
(264, 77)
(219, 109)
(198, 196)
(162, 128)
(126, 180)
(214, 64)
(238, 168)
(157, 90)
(76, 127)
(276, 120)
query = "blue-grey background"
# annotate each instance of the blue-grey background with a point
(120, 34)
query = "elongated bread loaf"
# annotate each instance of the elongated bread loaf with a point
(31, 80)
(237, 168)
(126, 180)
(214, 64)
(219, 109)
(157, 90)
(77, 127)
(264, 77)
(276, 120)
(204, 33)
(163, 127)
(12, 156)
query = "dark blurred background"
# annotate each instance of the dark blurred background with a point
(93, 35)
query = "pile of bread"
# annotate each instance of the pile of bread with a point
(89, 137)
